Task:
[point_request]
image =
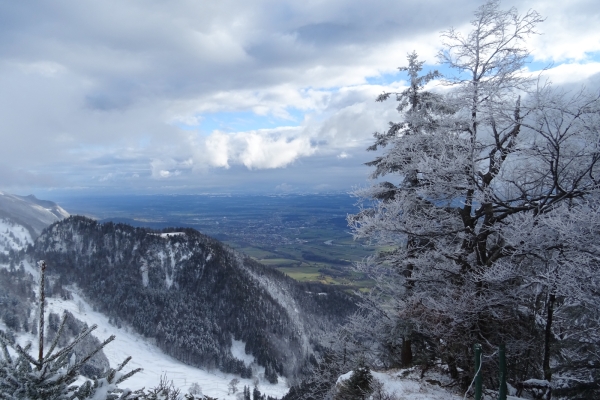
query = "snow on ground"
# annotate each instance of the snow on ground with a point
(13, 236)
(403, 384)
(168, 234)
(149, 357)
(412, 389)
(400, 385)
(407, 384)
(238, 350)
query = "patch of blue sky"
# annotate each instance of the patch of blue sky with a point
(538, 66)
(531, 64)
(592, 56)
(242, 121)
(397, 76)
(387, 78)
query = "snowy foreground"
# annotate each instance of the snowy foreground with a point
(154, 362)
(405, 385)
(402, 384)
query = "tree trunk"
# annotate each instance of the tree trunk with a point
(452, 368)
(406, 356)
(547, 336)
(42, 301)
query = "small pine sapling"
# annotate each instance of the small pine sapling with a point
(51, 375)
(358, 386)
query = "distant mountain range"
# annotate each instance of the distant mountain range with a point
(22, 219)
(31, 212)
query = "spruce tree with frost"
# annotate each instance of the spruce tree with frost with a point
(423, 111)
(358, 386)
(52, 374)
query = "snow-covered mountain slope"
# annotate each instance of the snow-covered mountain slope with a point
(154, 361)
(194, 296)
(144, 353)
(22, 219)
(13, 236)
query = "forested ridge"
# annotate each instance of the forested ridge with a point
(193, 294)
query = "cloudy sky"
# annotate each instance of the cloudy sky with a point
(204, 96)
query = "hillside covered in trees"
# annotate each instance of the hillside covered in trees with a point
(193, 295)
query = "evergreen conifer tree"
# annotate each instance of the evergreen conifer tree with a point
(256, 395)
(51, 375)
(270, 374)
(358, 386)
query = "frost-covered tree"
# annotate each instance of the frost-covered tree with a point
(232, 387)
(53, 373)
(195, 389)
(463, 168)
(556, 258)
(423, 111)
(166, 390)
(358, 386)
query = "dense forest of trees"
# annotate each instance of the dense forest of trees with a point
(193, 295)
(16, 297)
